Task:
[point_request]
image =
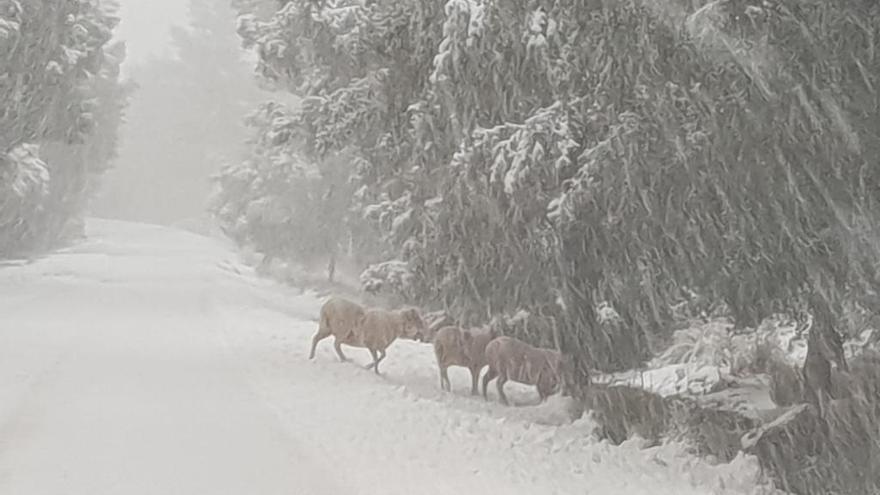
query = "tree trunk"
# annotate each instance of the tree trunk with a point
(331, 267)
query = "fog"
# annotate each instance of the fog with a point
(184, 120)
(145, 27)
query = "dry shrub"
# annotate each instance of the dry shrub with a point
(716, 432)
(808, 455)
(865, 370)
(788, 447)
(786, 383)
(800, 451)
(838, 452)
(623, 412)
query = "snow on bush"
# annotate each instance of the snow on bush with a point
(605, 313)
(707, 344)
(389, 276)
(669, 380)
(785, 336)
(24, 171)
(395, 217)
(715, 343)
(703, 356)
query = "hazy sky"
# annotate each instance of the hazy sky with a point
(170, 145)
(145, 26)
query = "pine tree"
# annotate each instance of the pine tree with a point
(549, 156)
(59, 92)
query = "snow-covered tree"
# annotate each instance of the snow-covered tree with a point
(62, 101)
(282, 204)
(554, 155)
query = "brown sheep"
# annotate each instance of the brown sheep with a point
(339, 317)
(454, 346)
(435, 321)
(512, 359)
(379, 328)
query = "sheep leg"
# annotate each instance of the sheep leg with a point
(502, 379)
(381, 357)
(488, 377)
(337, 344)
(439, 357)
(444, 380)
(321, 335)
(475, 378)
(376, 360)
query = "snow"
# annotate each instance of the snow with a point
(7, 27)
(605, 313)
(750, 440)
(669, 380)
(149, 360)
(31, 173)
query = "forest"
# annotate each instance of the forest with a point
(483, 159)
(61, 104)
(667, 160)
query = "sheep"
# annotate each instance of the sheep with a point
(435, 321)
(378, 328)
(454, 346)
(512, 359)
(339, 317)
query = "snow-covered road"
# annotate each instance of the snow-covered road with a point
(149, 361)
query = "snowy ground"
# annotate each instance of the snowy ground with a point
(149, 361)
